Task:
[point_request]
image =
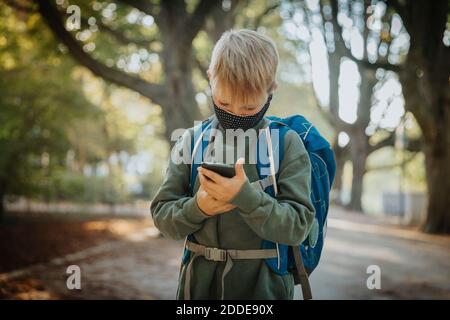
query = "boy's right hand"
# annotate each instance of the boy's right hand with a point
(211, 206)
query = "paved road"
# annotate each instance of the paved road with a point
(412, 265)
(142, 266)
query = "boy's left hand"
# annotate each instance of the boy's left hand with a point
(222, 188)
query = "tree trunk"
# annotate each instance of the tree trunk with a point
(424, 78)
(359, 154)
(341, 155)
(334, 65)
(2, 205)
(220, 21)
(437, 162)
(430, 104)
(359, 141)
(426, 90)
(180, 109)
(179, 106)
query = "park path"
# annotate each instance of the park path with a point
(144, 266)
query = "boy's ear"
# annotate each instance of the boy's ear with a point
(274, 87)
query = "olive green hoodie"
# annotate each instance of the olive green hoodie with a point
(285, 219)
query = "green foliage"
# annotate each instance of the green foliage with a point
(50, 129)
(37, 97)
(72, 186)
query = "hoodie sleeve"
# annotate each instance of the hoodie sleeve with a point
(175, 213)
(287, 218)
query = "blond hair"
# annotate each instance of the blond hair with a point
(244, 64)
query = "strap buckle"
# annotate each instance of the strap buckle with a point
(215, 254)
(263, 183)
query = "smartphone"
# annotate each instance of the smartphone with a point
(225, 170)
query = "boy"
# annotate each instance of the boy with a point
(231, 213)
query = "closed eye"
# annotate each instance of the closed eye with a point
(223, 103)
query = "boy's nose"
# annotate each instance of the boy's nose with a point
(235, 111)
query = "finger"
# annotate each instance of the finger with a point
(215, 195)
(227, 208)
(205, 182)
(217, 178)
(230, 205)
(211, 198)
(202, 179)
(210, 187)
(202, 193)
(239, 168)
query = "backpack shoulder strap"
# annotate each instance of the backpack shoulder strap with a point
(270, 157)
(198, 144)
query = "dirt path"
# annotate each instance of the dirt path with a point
(142, 266)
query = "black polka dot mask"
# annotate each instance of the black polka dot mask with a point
(232, 121)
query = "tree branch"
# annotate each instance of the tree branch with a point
(53, 19)
(221, 20)
(333, 119)
(197, 19)
(20, 7)
(413, 145)
(402, 11)
(346, 52)
(393, 165)
(118, 35)
(203, 69)
(265, 13)
(144, 6)
(389, 141)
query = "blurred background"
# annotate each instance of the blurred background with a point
(92, 90)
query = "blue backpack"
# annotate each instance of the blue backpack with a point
(303, 259)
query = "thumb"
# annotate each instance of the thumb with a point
(239, 167)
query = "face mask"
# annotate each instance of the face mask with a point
(231, 121)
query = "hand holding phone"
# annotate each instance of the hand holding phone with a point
(222, 181)
(209, 205)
